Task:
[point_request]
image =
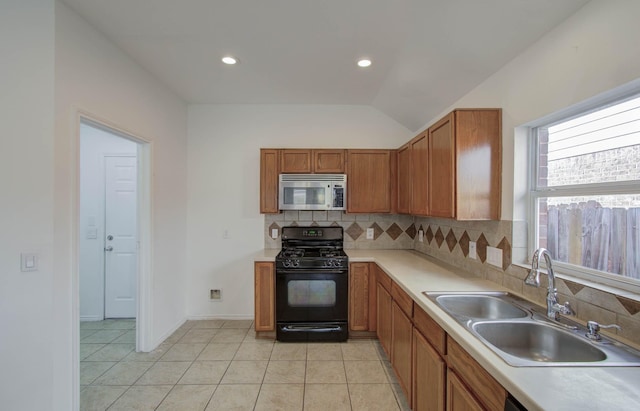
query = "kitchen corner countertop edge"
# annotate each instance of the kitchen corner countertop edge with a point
(537, 388)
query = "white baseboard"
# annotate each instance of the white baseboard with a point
(166, 335)
(220, 317)
(91, 318)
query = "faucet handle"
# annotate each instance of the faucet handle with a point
(594, 329)
(566, 309)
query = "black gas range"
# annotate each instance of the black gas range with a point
(312, 285)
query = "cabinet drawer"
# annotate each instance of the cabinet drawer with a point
(484, 386)
(430, 329)
(402, 299)
(383, 279)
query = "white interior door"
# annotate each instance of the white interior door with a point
(121, 257)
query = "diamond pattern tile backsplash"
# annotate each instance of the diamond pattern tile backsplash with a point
(449, 241)
(389, 231)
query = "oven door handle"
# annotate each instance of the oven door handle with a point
(309, 328)
(310, 271)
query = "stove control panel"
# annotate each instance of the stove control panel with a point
(291, 263)
(332, 263)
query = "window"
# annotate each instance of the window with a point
(586, 192)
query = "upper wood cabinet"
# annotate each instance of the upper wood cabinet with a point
(269, 171)
(464, 165)
(441, 168)
(420, 175)
(371, 181)
(413, 173)
(328, 161)
(404, 179)
(274, 161)
(295, 161)
(306, 161)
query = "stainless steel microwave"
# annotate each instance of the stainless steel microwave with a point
(312, 192)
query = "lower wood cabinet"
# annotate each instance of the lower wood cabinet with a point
(459, 398)
(359, 284)
(384, 318)
(265, 296)
(483, 386)
(401, 337)
(428, 377)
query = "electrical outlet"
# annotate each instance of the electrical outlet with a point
(473, 251)
(215, 295)
(274, 233)
(494, 256)
(369, 233)
(421, 236)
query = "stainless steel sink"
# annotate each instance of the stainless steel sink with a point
(533, 341)
(520, 332)
(480, 306)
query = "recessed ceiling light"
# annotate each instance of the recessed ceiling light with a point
(364, 63)
(229, 60)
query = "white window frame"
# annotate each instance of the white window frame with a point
(566, 270)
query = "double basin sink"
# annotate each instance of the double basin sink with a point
(522, 335)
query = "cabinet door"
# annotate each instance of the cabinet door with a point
(269, 181)
(478, 163)
(429, 375)
(295, 161)
(404, 179)
(384, 319)
(369, 181)
(441, 168)
(483, 386)
(265, 296)
(459, 398)
(328, 161)
(373, 296)
(420, 175)
(401, 336)
(359, 296)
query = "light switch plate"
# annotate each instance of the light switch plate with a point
(274, 233)
(369, 233)
(28, 262)
(421, 236)
(494, 256)
(473, 251)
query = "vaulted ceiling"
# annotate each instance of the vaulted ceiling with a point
(426, 53)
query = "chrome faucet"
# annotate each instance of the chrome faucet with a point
(553, 306)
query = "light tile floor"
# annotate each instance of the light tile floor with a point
(220, 365)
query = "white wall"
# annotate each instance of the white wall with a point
(224, 177)
(26, 203)
(91, 74)
(595, 50)
(94, 145)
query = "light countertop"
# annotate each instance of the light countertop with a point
(537, 388)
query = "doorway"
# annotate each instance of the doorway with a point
(108, 258)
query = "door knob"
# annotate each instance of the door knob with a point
(109, 237)
(109, 248)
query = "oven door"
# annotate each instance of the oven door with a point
(311, 306)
